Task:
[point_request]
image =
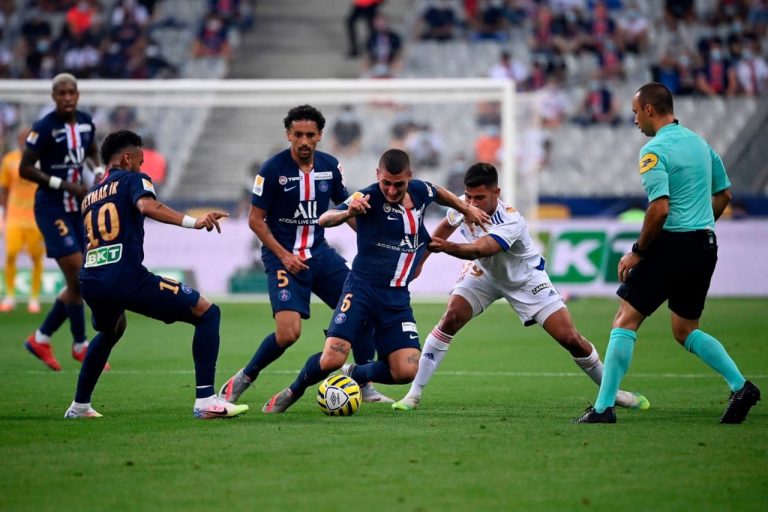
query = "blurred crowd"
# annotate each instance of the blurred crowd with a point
(577, 55)
(105, 38)
(111, 39)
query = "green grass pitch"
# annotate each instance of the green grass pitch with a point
(493, 432)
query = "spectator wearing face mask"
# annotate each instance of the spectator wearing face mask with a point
(632, 31)
(752, 69)
(212, 39)
(716, 76)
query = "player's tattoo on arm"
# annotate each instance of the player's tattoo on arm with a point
(341, 348)
(414, 359)
(333, 218)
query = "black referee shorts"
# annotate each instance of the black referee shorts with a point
(677, 267)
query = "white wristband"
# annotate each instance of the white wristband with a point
(188, 222)
(54, 182)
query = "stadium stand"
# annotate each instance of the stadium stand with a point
(560, 47)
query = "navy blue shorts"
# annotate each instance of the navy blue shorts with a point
(63, 232)
(155, 296)
(325, 277)
(387, 310)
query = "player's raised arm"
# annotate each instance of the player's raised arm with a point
(154, 209)
(357, 204)
(472, 215)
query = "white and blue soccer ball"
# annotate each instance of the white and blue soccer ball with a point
(339, 395)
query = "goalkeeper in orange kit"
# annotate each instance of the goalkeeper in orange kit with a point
(17, 201)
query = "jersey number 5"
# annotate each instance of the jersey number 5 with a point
(106, 231)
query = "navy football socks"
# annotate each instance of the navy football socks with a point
(268, 352)
(205, 350)
(97, 356)
(55, 317)
(378, 371)
(309, 375)
(76, 314)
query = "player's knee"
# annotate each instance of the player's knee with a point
(453, 320)
(681, 333)
(213, 314)
(288, 335)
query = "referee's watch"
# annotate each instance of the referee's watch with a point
(636, 249)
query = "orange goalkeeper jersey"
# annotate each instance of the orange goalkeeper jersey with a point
(21, 193)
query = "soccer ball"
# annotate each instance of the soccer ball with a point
(339, 395)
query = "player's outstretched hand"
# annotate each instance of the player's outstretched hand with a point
(438, 244)
(210, 220)
(359, 205)
(476, 217)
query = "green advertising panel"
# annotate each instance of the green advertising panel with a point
(53, 280)
(587, 256)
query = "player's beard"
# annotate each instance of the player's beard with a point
(305, 153)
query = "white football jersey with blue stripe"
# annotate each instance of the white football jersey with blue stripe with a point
(519, 258)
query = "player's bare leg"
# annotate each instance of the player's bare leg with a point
(456, 316)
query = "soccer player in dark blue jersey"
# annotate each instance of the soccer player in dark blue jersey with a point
(391, 240)
(114, 280)
(60, 142)
(292, 190)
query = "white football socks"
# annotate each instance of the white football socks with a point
(432, 355)
(41, 338)
(591, 365)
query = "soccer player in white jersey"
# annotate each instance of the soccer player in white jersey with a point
(506, 264)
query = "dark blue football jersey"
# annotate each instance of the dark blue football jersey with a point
(392, 239)
(294, 200)
(62, 148)
(114, 229)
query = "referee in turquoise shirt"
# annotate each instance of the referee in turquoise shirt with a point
(675, 255)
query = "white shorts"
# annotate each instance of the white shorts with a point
(533, 301)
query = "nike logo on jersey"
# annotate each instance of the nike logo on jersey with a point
(288, 189)
(389, 217)
(413, 336)
(60, 139)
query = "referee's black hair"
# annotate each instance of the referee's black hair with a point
(658, 96)
(395, 161)
(117, 142)
(304, 113)
(480, 174)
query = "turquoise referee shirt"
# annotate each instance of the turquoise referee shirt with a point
(679, 164)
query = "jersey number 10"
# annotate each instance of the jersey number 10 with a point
(105, 233)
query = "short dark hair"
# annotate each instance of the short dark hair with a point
(304, 113)
(395, 161)
(658, 96)
(480, 174)
(116, 142)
